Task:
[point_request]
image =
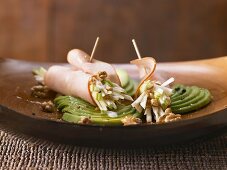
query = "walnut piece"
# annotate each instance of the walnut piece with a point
(168, 117)
(85, 120)
(131, 120)
(48, 107)
(40, 91)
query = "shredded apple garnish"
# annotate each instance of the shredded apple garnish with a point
(105, 93)
(153, 97)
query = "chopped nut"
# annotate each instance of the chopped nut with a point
(102, 75)
(172, 117)
(151, 95)
(154, 102)
(40, 91)
(93, 79)
(131, 120)
(96, 108)
(99, 76)
(168, 110)
(37, 87)
(48, 106)
(109, 88)
(150, 90)
(169, 117)
(85, 120)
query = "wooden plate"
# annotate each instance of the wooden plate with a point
(20, 112)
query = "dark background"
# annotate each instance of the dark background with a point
(169, 30)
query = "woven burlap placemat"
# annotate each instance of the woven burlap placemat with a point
(18, 151)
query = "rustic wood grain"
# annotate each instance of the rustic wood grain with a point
(24, 29)
(168, 30)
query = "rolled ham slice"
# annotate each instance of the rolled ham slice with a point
(77, 58)
(81, 60)
(147, 66)
(69, 82)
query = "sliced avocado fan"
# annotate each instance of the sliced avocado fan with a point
(75, 109)
(127, 82)
(189, 98)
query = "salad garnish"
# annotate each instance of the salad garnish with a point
(154, 101)
(105, 93)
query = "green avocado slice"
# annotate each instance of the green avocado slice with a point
(195, 92)
(195, 106)
(123, 76)
(123, 112)
(74, 109)
(130, 86)
(132, 92)
(178, 90)
(85, 112)
(98, 121)
(63, 101)
(189, 98)
(126, 82)
(190, 101)
(74, 118)
(188, 90)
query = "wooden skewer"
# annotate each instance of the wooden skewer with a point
(138, 52)
(94, 48)
(136, 48)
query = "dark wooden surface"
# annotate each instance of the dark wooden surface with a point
(46, 30)
(24, 29)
